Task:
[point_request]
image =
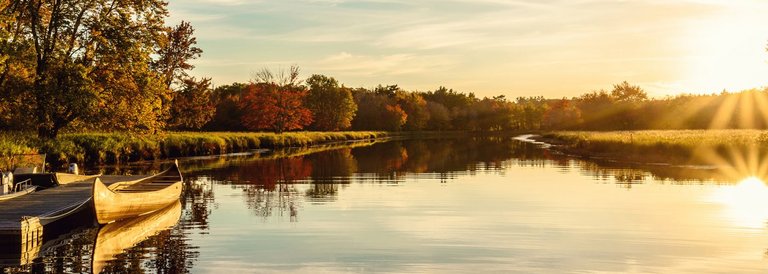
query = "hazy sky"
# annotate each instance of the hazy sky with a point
(553, 48)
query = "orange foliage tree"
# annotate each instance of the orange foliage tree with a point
(268, 106)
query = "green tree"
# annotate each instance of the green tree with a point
(192, 106)
(333, 107)
(228, 115)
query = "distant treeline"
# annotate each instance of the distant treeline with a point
(324, 104)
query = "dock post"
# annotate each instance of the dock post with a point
(31, 239)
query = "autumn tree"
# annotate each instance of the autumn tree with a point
(561, 114)
(192, 106)
(493, 114)
(332, 106)
(176, 49)
(439, 116)
(275, 102)
(377, 111)
(415, 108)
(457, 103)
(84, 59)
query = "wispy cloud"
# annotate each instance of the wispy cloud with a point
(368, 65)
(483, 43)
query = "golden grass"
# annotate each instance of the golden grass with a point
(667, 146)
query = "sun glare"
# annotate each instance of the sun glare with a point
(746, 204)
(727, 52)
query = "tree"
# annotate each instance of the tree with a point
(624, 92)
(192, 106)
(561, 114)
(228, 114)
(415, 108)
(333, 107)
(275, 102)
(81, 54)
(377, 111)
(626, 109)
(529, 112)
(439, 117)
(176, 49)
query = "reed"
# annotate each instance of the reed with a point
(119, 147)
(659, 146)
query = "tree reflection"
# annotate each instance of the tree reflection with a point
(196, 199)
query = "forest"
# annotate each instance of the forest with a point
(100, 65)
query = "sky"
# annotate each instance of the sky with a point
(553, 48)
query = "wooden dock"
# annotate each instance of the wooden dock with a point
(43, 205)
(23, 219)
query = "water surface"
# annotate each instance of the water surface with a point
(449, 205)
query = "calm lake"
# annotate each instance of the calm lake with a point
(439, 205)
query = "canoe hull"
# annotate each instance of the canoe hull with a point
(127, 200)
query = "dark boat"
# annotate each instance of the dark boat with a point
(49, 180)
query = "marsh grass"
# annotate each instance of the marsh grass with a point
(662, 146)
(105, 148)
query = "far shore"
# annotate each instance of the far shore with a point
(736, 148)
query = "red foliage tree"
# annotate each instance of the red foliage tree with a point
(269, 106)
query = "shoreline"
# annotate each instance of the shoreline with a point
(692, 148)
(92, 149)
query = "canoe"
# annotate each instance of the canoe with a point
(113, 239)
(24, 188)
(129, 196)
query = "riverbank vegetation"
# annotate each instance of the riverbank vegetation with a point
(740, 149)
(103, 148)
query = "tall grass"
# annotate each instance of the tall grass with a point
(668, 146)
(116, 147)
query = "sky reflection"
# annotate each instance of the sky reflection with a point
(455, 206)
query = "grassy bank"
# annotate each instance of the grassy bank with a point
(663, 146)
(108, 148)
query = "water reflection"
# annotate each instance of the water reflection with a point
(115, 237)
(441, 203)
(746, 204)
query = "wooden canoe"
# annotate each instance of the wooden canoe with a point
(113, 239)
(128, 196)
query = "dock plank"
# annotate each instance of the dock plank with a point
(45, 203)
